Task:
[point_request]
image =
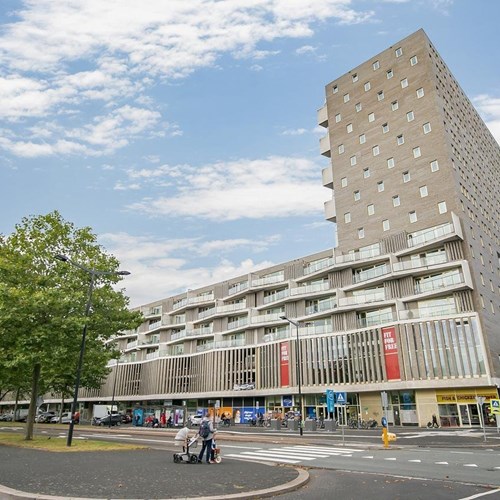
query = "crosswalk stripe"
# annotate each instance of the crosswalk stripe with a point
(302, 453)
(470, 465)
(267, 459)
(416, 461)
(327, 450)
(277, 454)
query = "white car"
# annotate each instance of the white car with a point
(195, 419)
(65, 419)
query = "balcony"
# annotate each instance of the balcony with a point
(325, 305)
(362, 254)
(283, 294)
(375, 320)
(420, 262)
(230, 343)
(153, 355)
(153, 326)
(222, 310)
(322, 116)
(319, 265)
(205, 347)
(179, 304)
(309, 289)
(324, 146)
(279, 335)
(131, 345)
(422, 237)
(265, 318)
(372, 273)
(428, 312)
(330, 210)
(242, 322)
(438, 283)
(327, 176)
(200, 299)
(268, 280)
(238, 287)
(362, 299)
(151, 312)
(179, 335)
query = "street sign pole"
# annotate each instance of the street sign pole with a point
(480, 402)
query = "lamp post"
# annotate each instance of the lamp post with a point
(92, 274)
(299, 364)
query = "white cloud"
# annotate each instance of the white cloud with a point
(254, 189)
(489, 108)
(296, 131)
(306, 49)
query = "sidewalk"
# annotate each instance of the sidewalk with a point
(135, 474)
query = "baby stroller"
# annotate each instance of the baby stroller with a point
(186, 456)
(215, 455)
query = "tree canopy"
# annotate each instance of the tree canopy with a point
(43, 303)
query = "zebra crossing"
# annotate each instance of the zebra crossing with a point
(292, 454)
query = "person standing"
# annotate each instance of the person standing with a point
(206, 432)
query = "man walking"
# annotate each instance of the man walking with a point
(206, 432)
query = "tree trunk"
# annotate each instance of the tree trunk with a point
(30, 421)
(15, 404)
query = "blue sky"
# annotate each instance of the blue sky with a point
(184, 132)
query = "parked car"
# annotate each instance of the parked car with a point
(116, 419)
(45, 417)
(6, 417)
(195, 419)
(65, 419)
(126, 418)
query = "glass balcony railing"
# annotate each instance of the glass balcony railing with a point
(421, 237)
(237, 324)
(283, 294)
(307, 289)
(319, 265)
(269, 280)
(376, 319)
(205, 347)
(279, 335)
(320, 307)
(154, 325)
(131, 345)
(200, 299)
(238, 287)
(369, 274)
(362, 299)
(265, 318)
(420, 262)
(367, 253)
(438, 282)
(179, 304)
(179, 335)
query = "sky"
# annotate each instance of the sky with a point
(184, 132)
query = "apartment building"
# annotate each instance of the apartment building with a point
(408, 303)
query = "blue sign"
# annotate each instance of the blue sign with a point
(384, 422)
(341, 398)
(330, 400)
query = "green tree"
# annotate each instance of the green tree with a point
(43, 303)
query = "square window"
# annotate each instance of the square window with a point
(349, 128)
(390, 74)
(343, 182)
(426, 127)
(366, 173)
(442, 207)
(358, 107)
(423, 191)
(346, 97)
(394, 105)
(390, 163)
(375, 65)
(434, 166)
(404, 83)
(380, 95)
(406, 176)
(354, 77)
(420, 92)
(361, 233)
(410, 116)
(413, 60)
(335, 89)
(413, 217)
(386, 225)
(338, 117)
(400, 140)
(353, 161)
(399, 52)
(370, 209)
(396, 201)
(371, 117)
(416, 152)
(375, 150)
(347, 217)
(367, 86)
(341, 149)
(385, 128)
(362, 138)
(357, 195)
(380, 186)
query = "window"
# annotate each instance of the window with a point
(357, 195)
(375, 150)
(386, 225)
(346, 97)
(347, 217)
(390, 163)
(349, 128)
(354, 77)
(406, 176)
(400, 139)
(380, 95)
(416, 152)
(396, 201)
(338, 117)
(423, 191)
(370, 209)
(380, 186)
(353, 160)
(361, 233)
(341, 149)
(362, 138)
(442, 207)
(394, 105)
(426, 127)
(413, 60)
(367, 86)
(399, 52)
(375, 65)
(390, 74)
(434, 166)
(420, 92)
(343, 182)
(335, 89)
(413, 217)
(385, 128)
(358, 107)
(410, 116)
(366, 173)
(404, 83)
(371, 117)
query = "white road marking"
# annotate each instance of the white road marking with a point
(368, 456)
(391, 458)
(416, 461)
(441, 463)
(470, 465)
(479, 495)
(269, 459)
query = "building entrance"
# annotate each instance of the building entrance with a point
(469, 414)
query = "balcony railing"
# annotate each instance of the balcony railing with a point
(269, 280)
(222, 310)
(435, 233)
(179, 335)
(362, 299)
(375, 320)
(238, 287)
(319, 265)
(277, 296)
(179, 304)
(279, 335)
(428, 312)
(205, 347)
(265, 318)
(315, 329)
(369, 274)
(200, 299)
(368, 253)
(438, 282)
(420, 262)
(153, 355)
(131, 345)
(322, 306)
(230, 343)
(154, 325)
(237, 324)
(307, 289)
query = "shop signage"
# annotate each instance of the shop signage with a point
(330, 400)
(284, 364)
(391, 353)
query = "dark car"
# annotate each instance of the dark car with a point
(116, 419)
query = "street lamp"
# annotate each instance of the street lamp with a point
(92, 273)
(299, 364)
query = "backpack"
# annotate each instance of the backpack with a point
(204, 429)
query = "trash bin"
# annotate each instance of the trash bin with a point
(311, 425)
(275, 424)
(330, 425)
(293, 425)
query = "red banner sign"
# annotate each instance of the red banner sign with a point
(391, 353)
(284, 363)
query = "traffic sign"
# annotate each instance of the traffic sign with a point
(495, 406)
(341, 398)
